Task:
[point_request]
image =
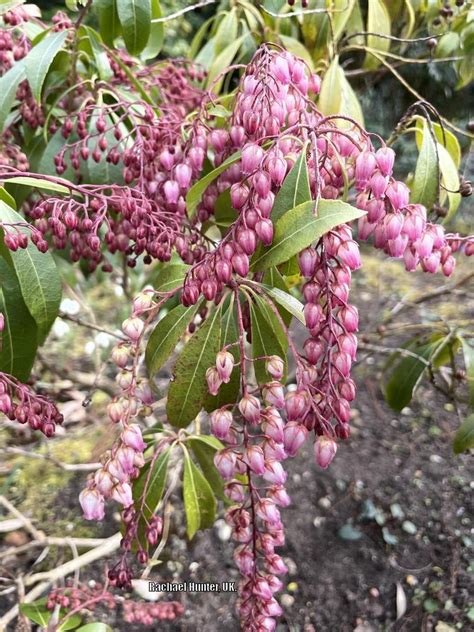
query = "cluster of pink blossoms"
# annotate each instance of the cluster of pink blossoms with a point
(83, 597)
(19, 403)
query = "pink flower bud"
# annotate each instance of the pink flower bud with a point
(385, 157)
(244, 560)
(92, 503)
(280, 69)
(349, 254)
(275, 565)
(314, 83)
(366, 164)
(237, 135)
(214, 380)
(2, 322)
(274, 472)
(375, 211)
(349, 318)
(247, 240)
(275, 367)
(254, 458)
(221, 421)
(209, 289)
(142, 302)
(241, 264)
(448, 266)
(274, 450)
(397, 247)
(273, 425)
(348, 344)
(347, 389)
(223, 271)
(239, 194)
(314, 349)
(183, 174)
(125, 457)
(104, 481)
(235, 491)
(133, 328)
(378, 184)
(279, 495)
(249, 407)
(312, 315)
(171, 189)
(122, 493)
(167, 159)
(411, 259)
(307, 260)
(252, 156)
(225, 364)
(273, 394)
(277, 169)
(398, 193)
(267, 510)
(225, 461)
(413, 226)
(264, 230)
(343, 362)
(324, 450)
(296, 404)
(393, 224)
(424, 246)
(219, 139)
(121, 355)
(132, 436)
(294, 436)
(431, 264)
(262, 183)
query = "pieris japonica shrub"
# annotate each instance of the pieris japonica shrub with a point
(230, 192)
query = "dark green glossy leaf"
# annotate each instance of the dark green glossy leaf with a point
(294, 190)
(425, 185)
(109, 23)
(157, 33)
(268, 338)
(199, 501)
(19, 339)
(468, 351)
(188, 390)
(169, 277)
(204, 454)
(39, 60)
(37, 275)
(135, 19)
(196, 192)
(166, 335)
(8, 86)
(299, 227)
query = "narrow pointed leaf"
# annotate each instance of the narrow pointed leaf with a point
(204, 454)
(8, 87)
(166, 335)
(196, 192)
(425, 185)
(267, 338)
(199, 500)
(299, 227)
(188, 390)
(39, 60)
(157, 33)
(464, 437)
(295, 189)
(135, 19)
(109, 23)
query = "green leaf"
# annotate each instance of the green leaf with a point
(409, 371)
(199, 501)
(109, 24)
(288, 301)
(157, 33)
(38, 183)
(39, 60)
(222, 62)
(268, 338)
(299, 227)
(70, 623)
(450, 179)
(272, 278)
(8, 87)
(468, 351)
(464, 437)
(295, 188)
(37, 275)
(153, 490)
(166, 335)
(425, 185)
(100, 56)
(169, 277)
(338, 97)
(294, 46)
(135, 19)
(19, 339)
(204, 454)
(96, 626)
(228, 393)
(196, 192)
(378, 21)
(227, 30)
(36, 612)
(102, 172)
(188, 390)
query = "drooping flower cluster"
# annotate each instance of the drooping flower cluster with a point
(20, 403)
(85, 597)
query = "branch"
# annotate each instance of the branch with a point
(69, 467)
(172, 16)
